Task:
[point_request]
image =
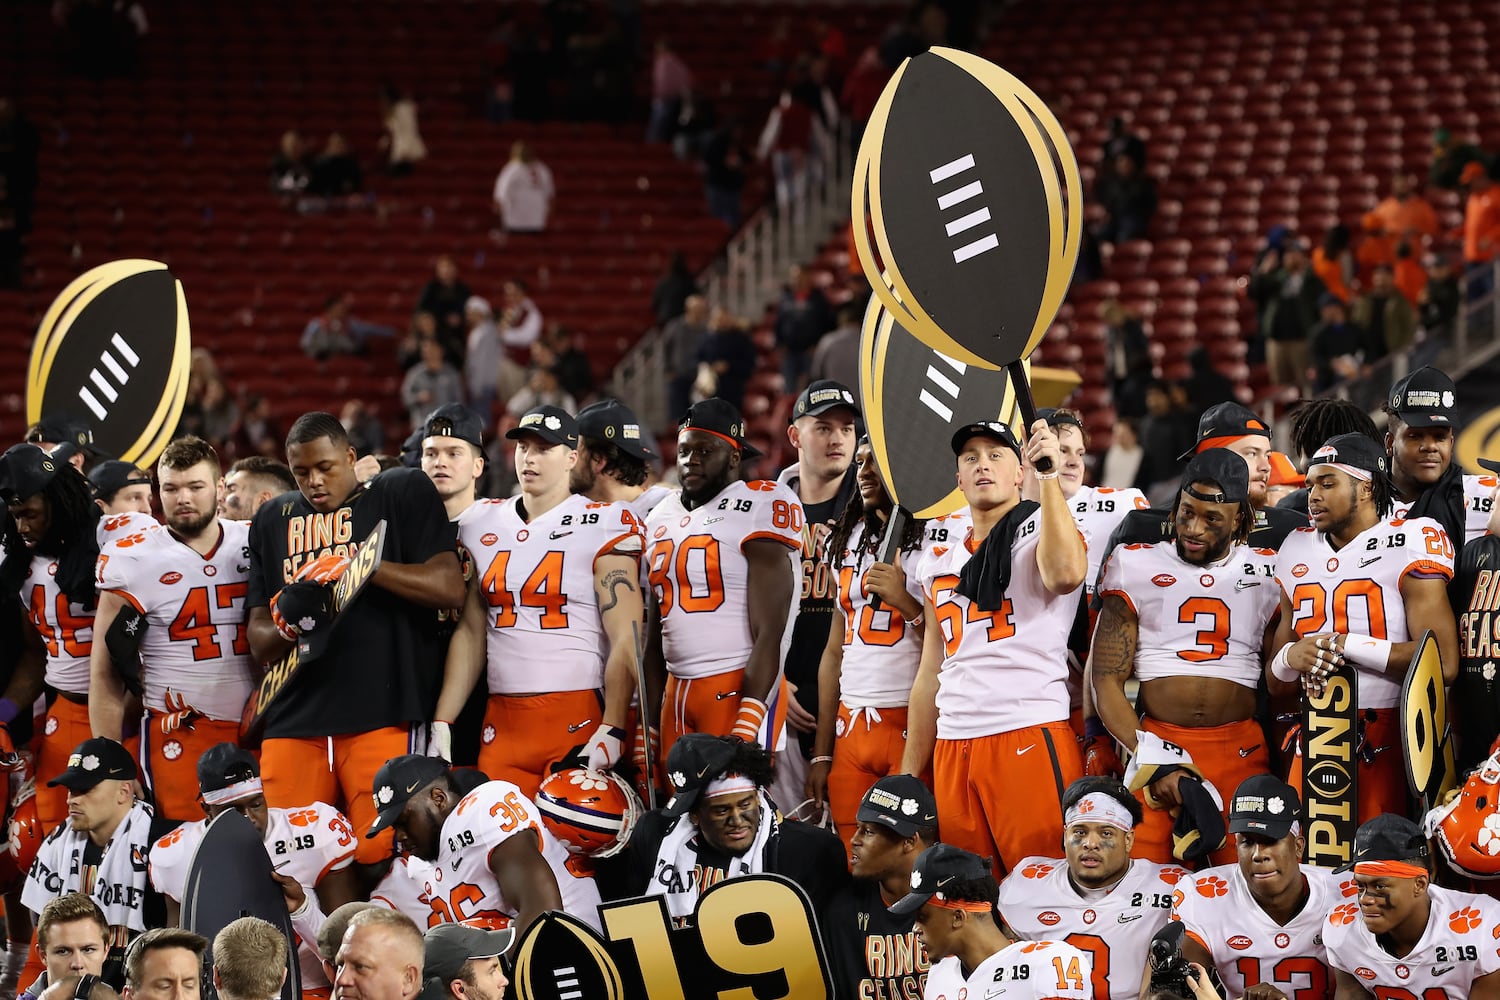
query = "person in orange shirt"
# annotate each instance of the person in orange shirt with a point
(1334, 264)
(1402, 215)
(1481, 216)
(1410, 275)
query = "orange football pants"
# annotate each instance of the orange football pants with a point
(169, 762)
(864, 752)
(1226, 755)
(710, 705)
(523, 737)
(339, 770)
(1382, 784)
(1000, 796)
(66, 726)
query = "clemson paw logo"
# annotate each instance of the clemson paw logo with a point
(1344, 913)
(174, 837)
(589, 781)
(1464, 920)
(1212, 887)
(1171, 875)
(1036, 871)
(51, 726)
(309, 817)
(938, 550)
(488, 736)
(1350, 888)
(1085, 806)
(171, 749)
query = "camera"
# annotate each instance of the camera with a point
(1170, 972)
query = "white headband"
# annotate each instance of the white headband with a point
(726, 783)
(1347, 470)
(233, 793)
(1096, 807)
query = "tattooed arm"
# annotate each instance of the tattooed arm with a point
(617, 589)
(1111, 664)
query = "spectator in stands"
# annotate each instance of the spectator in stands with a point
(336, 172)
(542, 388)
(291, 167)
(1402, 215)
(683, 338)
(1121, 467)
(837, 354)
(1165, 434)
(671, 83)
(672, 291)
(1286, 293)
(520, 324)
(1128, 195)
(1450, 158)
(423, 326)
(574, 372)
(730, 354)
(446, 296)
(1340, 350)
(402, 141)
(366, 432)
(220, 413)
(862, 89)
(793, 133)
(1206, 386)
(1384, 314)
(1481, 215)
(724, 161)
(524, 191)
(1408, 273)
(1334, 264)
(1121, 142)
(482, 356)
(334, 331)
(431, 384)
(803, 315)
(1127, 358)
(257, 433)
(1440, 299)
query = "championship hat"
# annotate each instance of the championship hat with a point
(694, 761)
(900, 803)
(1425, 398)
(821, 396)
(61, 429)
(996, 429)
(25, 470)
(612, 421)
(1264, 804)
(552, 424)
(397, 781)
(95, 760)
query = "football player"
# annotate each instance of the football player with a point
(1421, 423)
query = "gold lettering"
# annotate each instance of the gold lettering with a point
(1330, 738)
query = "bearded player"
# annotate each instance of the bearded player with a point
(188, 584)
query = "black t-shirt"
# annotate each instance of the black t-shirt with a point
(1475, 696)
(871, 953)
(385, 664)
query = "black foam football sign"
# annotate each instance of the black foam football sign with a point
(1330, 771)
(915, 397)
(754, 935)
(113, 350)
(975, 200)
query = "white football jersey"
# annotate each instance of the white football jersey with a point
(460, 885)
(1357, 589)
(306, 843)
(1099, 511)
(699, 573)
(650, 498)
(1039, 902)
(1457, 948)
(1247, 946)
(66, 628)
(1196, 621)
(537, 579)
(1479, 497)
(1026, 970)
(113, 526)
(1002, 670)
(195, 645)
(405, 889)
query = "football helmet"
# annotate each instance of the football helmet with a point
(591, 812)
(1467, 826)
(25, 837)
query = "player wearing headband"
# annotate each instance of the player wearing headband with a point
(1259, 922)
(1188, 619)
(1357, 587)
(1096, 897)
(953, 896)
(1404, 936)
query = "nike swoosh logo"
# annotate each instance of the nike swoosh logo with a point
(1443, 971)
(712, 520)
(1245, 584)
(559, 534)
(725, 694)
(457, 863)
(412, 787)
(1245, 753)
(1022, 750)
(574, 729)
(1126, 918)
(1365, 562)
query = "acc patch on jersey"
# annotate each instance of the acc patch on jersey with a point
(975, 201)
(113, 348)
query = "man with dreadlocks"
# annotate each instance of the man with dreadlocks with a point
(870, 660)
(1357, 587)
(1315, 421)
(50, 550)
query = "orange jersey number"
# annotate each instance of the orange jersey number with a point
(542, 589)
(1097, 949)
(63, 635)
(194, 622)
(869, 633)
(1310, 607)
(673, 570)
(953, 619)
(1315, 971)
(1215, 637)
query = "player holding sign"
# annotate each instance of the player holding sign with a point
(953, 895)
(556, 577)
(1404, 938)
(1356, 587)
(188, 583)
(1259, 922)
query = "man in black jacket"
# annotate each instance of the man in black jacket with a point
(1421, 425)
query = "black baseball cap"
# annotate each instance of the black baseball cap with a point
(1426, 398)
(996, 429)
(821, 396)
(108, 478)
(1222, 466)
(1388, 837)
(397, 781)
(59, 429)
(938, 866)
(25, 470)
(899, 802)
(225, 765)
(552, 424)
(411, 448)
(719, 417)
(611, 420)
(1056, 417)
(695, 760)
(95, 760)
(454, 420)
(447, 947)
(1357, 450)
(1264, 804)
(1223, 423)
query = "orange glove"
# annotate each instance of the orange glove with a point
(324, 569)
(1100, 757)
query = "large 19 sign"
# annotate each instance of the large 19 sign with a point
(754, 938)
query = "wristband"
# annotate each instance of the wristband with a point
(8, 710)
(1367, 651)
(1044, 475)
(1094, 726)
(915, 622)
(747, 724)
(821, 759)
(1281, 665)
